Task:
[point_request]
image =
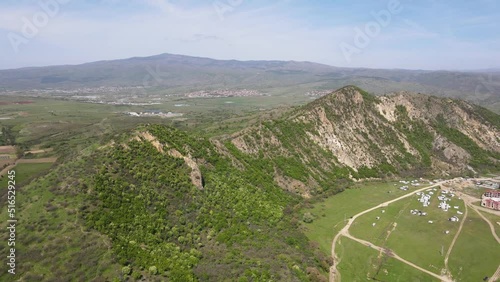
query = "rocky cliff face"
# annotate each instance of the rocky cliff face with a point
(351, 133)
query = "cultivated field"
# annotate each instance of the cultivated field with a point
(26, 171)
(7, 150)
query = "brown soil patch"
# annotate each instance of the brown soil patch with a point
(7, 150)
(40, 151)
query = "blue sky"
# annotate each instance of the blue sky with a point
(410, 34)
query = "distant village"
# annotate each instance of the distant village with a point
(154, 114)
(219, 93)
(319, 93)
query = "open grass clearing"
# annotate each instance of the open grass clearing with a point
(331, 213)
(494, 219)
(413, 238)
(361, 263)
(476, 253)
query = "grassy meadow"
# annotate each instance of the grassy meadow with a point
(410, 236)
(413, 237)
(359, 263)
(476, 253)
(331, 213)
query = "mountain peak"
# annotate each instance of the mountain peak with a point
(352, 133)
(347, 95)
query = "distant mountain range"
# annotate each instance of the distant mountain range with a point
(185, 73)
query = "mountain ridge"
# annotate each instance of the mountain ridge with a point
(185, 73)
(353, 134)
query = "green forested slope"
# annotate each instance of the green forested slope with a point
(141, 204)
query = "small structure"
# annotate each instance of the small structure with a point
(454, 219)
(430, 221)
(491, 203)
(425, 199)
(489, 184)
(492, 193)
(444, 206)
(491, 199)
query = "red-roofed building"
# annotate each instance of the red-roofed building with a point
(491, 204)
(490, 193)
(491, 199)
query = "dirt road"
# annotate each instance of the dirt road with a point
(496, 276)
(468, 200)
(455, 238)
(394, 255)
(345, 232)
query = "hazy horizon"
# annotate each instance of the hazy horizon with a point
(389, 34)
(493, 69)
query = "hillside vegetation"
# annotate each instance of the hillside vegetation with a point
(352, 134)
(159, 203)
(134, 208)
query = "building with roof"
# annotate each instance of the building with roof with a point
(491, 199)
(490, 193)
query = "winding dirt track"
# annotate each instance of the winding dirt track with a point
(496, 276)
(394, 255)
(492, 227)
(456, 237)
(345, 232)
(468, 200)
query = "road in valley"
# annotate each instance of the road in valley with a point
(468, 200)
(345, 232)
